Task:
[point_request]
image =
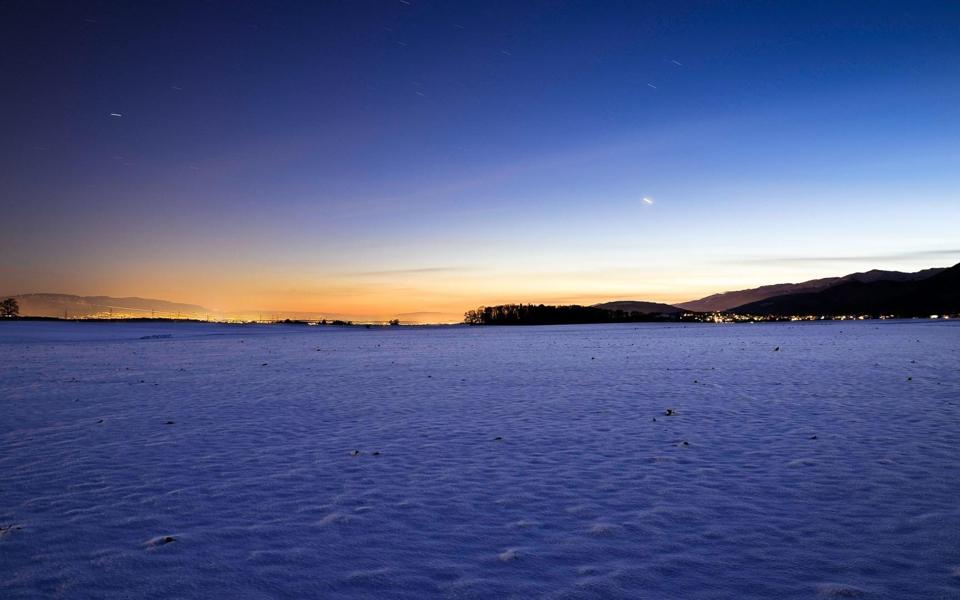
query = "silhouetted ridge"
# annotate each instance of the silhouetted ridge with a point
(729, 300)
(639, 306)
(863, 294)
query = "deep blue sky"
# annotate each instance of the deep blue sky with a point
(381, 157)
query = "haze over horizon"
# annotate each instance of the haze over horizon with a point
(372, 159)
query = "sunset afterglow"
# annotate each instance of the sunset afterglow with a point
(416, 160)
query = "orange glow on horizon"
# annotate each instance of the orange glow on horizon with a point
(416, 294)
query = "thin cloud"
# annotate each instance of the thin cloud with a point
(417, 271)
(955, 254)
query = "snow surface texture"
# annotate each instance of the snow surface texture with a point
(241, 462)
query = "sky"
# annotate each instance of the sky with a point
(418, 159)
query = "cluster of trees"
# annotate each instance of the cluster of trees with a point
(540, 314)
(9, 308)
(392, 322)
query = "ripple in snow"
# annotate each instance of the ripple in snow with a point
(335, 518)
(604, 529)
(839, 590)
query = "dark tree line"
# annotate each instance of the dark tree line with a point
(540, 314)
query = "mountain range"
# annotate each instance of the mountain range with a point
(727, 300)
(876, 292)
(911, 296)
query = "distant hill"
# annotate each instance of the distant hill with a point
(56, 305)
(629, 306)
(873, 293)
(728, 300)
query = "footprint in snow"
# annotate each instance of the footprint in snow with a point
(509, 555)
(161, 540)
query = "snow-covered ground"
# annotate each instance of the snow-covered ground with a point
(295, 462)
